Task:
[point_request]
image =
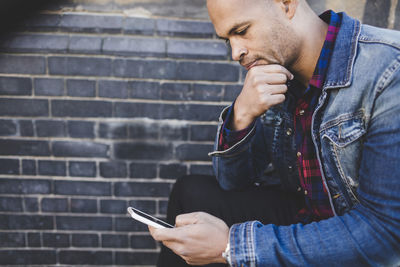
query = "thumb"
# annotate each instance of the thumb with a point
(186, 219)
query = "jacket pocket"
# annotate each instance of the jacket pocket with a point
(345, 129)
(342, 141)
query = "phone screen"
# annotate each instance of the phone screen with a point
(137, 214)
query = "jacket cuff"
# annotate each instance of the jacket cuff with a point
(242, 245)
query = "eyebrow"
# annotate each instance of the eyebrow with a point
(233, 29)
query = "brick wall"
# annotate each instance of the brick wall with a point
(99, 112)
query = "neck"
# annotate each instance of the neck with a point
(314, 33)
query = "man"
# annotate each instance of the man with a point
(317, 119)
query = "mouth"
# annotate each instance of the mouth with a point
(250, 65)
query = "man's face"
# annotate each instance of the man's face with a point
(258, 31)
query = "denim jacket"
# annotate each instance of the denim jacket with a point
(356, 133)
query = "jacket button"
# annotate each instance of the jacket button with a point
(289, 131)
(290, 167)
(305, 192)
(298, 154)
(298, 189)
(301, 112)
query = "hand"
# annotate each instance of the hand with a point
(264, 87)
(199, 238)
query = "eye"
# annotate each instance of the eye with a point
(242, 31)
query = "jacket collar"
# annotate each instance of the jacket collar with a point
(341, 65)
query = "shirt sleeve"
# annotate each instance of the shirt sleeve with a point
(228, 137)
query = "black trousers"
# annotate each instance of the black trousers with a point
(269, 205)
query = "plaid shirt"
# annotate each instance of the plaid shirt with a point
(317, 205)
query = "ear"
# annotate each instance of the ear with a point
(289, 7)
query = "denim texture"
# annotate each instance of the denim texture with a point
(356, 133)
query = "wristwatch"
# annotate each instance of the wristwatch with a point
(227, 254)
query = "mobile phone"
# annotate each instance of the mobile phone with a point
(148, 219)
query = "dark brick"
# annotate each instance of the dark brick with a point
(195, 112)
(81, 88)
(85, 44)
(55, 240)
(36, 43)
(172, 171)
(49, 87)
(76, 108)
(31, 204)
(142, 242)
(113, 169)
(54, 205)
(27, 257)
(143, 170)
(162, 206)
(22, 64)
(10, 204)
(397, 22)
(141, 26)
(137, 110)
(173, 111)
(23, 107)
(207, 92)
(376, 12)
(91, 23)
(80, 149)
(48, 128)
(194, 152)
(84, 223)
(114, 241)
(79, 66)
(141, 189)
(28, 167)
(15, 86)
(52, 168)
(184, 28)
(80, 129)
(9, 166)
(43, 22)
(129, 225)
(85, 240)
(82, 188)
(136, 258)
(148, 206)
(83, 169)
(113, 130)
(25, 222)
(10, 240)
(176, 91)
(131, 46)
(113, 206)
(24, 147)
(34, 240)
(8, 128)
(26, 128)
(78, 257)
(203, 132)
(207, 71)
(145, 90)
(155, 69)
(174, 131)
(142, 150)
(24, 186)
(84, 205)
(144, 130)
(201, 169)
(113, 89)
(232, 91)
(196, 49)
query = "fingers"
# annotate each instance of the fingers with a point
(274, 68)
(188, 218)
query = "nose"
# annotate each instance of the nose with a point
(238, 50)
